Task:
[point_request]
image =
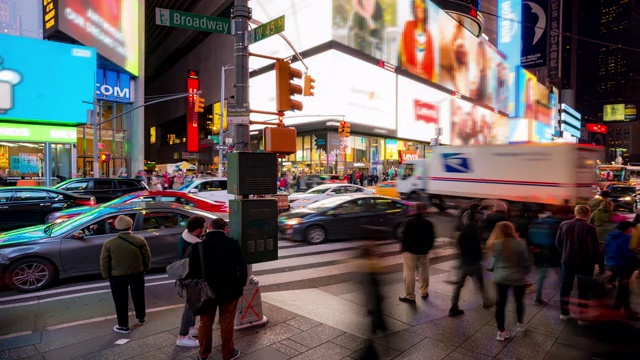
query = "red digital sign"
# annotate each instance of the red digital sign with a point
(193, 86)
(597, 128)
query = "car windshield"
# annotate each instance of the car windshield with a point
(328, 203)
(623, 190)
(56, 229)
(186, 186)
(318, 190)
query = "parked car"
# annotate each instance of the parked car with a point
(32, 258)
(27, 206)
(171, 196)
(313, 180)
(104, 189)
(213, 189)
(345, 217)
(326, 191)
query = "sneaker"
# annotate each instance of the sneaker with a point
(502, 336)
(564, 317)
(540, 301)
(141, 321)
(425, 296)
(583, 323)
(187, 341)
(521, 327)
(121, 329)
(193, 331)
(407, 300)
(453, 312)
(235, 355)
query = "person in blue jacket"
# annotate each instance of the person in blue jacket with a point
(622, 262)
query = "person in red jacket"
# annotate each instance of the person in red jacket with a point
(416, 45)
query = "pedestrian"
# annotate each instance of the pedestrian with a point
(496, 215)
(188, 329)
(226, 274)
(594, 204)
(602, 220)
(577, 241)
(511, 267)
(541, 238)
(470, 245)
(622, 262)
(123, 260)
(417, 240)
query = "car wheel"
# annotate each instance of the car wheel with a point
(316, 234)
(398, 231)
(31, 274)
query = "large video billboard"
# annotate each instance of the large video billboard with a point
(45, 81)
(111, 26)
(475, 125)
(534, 33)
(421, 110)
(614, 112)
(509, 42)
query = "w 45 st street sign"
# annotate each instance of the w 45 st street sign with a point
(191, 21)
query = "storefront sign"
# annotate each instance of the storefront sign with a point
(113, 86)
(193, 86)
(109, 26)
(37, 133)
(597, 128)
(359, 165)
(555, 39)
(406, 155)
(426, 112)
(45, 81)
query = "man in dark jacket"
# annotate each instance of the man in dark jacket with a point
(577, 241)
(124, 260)
(226, 274)
(470, 245)
(417, 240)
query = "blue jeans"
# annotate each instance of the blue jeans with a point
(541, 274)
(188, 321)
(569, 274)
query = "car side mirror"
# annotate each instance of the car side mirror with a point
(193, 191)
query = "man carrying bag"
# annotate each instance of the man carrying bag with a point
(219, 261)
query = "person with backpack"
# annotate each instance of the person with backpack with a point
(188, 329)
(541, 238)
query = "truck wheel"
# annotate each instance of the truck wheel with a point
(438, 203)
(31, 274)
(316, 234)
(413, 197)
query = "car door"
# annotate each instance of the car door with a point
(104, 190)
(80, 248)
(29, 207)
(386, 214)
(59, 201)
(162, 230)
(345, 220)
(6, 216)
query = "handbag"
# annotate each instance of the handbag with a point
(199, 294)
(180, 268)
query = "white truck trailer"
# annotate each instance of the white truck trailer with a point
(552, 173)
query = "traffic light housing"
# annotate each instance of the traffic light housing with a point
(309, 85)
(341, 127)
(285, 88)
(104, 157)
(199, 104)
(346, 130)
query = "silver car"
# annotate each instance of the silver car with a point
(33, 257)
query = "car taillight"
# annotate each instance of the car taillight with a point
(225, 209)
(86, 202)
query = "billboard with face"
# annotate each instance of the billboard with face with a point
(474, 125)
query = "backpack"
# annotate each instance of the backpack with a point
(542, 232)
(179, 270)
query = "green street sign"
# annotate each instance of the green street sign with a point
(191, 21)
(215, 138)
(266, 30)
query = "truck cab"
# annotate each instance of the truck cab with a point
(412, 179)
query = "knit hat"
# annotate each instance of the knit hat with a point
(123, 222)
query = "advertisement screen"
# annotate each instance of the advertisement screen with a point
(111, 26)
(630, 112)
(527, 94)
(534, 33)
(193, 86)
(613, 112)
(45, 81)
(368, 97)
(509, 42)
(474, 125)
(421, 110)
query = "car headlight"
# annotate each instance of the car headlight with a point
(304, 201)
(626, 198)
(597, 197)
(294, 221)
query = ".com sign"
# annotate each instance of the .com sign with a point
(113, 86)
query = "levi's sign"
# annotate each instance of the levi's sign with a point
(192, 21)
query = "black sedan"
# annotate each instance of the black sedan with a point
(32, 258)
(344, 217)
(623, 197)
(27, 206)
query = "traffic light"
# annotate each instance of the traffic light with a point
(346, 130)
(199, 104)
(308, 85)
(341, 127)
(285, 88)
(104, 157)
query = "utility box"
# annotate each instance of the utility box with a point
(252, 173)
(254, 223)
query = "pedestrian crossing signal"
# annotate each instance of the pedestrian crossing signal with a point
(104, 157)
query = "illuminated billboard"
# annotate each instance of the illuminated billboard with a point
(421, 110)
(527, 94)
(613, 112)
(45, 81)
(509, 42)
(474, 125)
(111, 26)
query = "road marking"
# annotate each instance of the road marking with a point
(8, 336)
(57, 291)
(88, 321)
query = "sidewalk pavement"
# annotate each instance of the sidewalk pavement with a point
(331, 323)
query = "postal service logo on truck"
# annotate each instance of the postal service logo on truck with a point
(456, 163)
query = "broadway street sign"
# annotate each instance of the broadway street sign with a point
(192, 21)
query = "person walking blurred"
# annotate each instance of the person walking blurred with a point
(577, 241)
(541, 238)
(511, 266)
(417, 240)
(496, 215)
(622, 262)
(602, 220)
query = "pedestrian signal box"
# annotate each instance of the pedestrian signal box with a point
(254, 223)
(252, 173)
(280, 140)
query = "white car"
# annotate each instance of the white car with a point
(299, 200)
(211, 189)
